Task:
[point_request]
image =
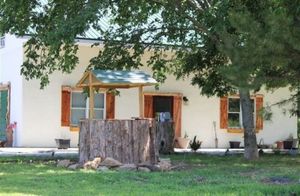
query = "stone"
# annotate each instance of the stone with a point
(74, 166)
(128, 167)
(144, 169)
(63, 163)
(102, 169)
(165, 164)
(110, 162)
(94, 164)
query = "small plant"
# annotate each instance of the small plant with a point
(185, 135)
(11, 126)
(195, 144)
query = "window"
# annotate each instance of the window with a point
(231, 115)
(235, 113)
(80, 107)
(2, 41)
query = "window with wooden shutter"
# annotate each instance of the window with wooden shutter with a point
(224, 113)
(231, 116)
(65, 106)
(259, 117)
(110, 106)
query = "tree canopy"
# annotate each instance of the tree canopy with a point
(223, 45)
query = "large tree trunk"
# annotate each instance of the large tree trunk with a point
(128, 141)
(251, 151)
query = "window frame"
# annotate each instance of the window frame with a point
(74, 127)
(241, 128)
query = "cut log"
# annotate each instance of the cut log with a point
(128, 141)
(165, 137)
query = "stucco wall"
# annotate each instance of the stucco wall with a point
(11, 58)
(42, 110)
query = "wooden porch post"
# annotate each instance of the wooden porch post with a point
(141, 102)
(91, 98)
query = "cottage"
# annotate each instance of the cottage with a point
(54, 112)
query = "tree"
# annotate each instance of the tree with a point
(221, 44)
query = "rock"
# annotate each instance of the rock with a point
(74, 166)
(63, 163)
(165, 164)
(144, 169)
(94, 164)
(102, 169)
(110, 162)
(128, 167)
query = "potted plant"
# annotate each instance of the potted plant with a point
(234, 144)
(279, 144)
(288, 143)
(9, 134)
(62, 143)
(195, 144)
(182, 142)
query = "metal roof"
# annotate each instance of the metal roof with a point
(123, 77)
(104, 23)
(116, 79)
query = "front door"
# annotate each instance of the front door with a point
(3, 113)
(163, 104)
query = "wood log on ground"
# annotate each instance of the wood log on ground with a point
(128, 141)
(165, 137)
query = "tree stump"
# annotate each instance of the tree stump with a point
(165, 137)
(128, 141)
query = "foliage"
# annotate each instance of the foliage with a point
(208, 175)
(224, 46)
(195, 144)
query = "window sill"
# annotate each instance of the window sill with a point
(237, 130)
(74, 129)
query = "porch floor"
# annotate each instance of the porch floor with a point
(73, 152)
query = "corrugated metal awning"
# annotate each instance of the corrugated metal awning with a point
(116, 79)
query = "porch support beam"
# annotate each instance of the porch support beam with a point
(141, 102)
(91, 97)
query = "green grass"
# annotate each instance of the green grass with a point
(202, 175)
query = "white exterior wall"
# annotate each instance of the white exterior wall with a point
(200, 112)
(11, 58)
(42, 111)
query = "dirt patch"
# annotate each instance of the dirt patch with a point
(278, 180)
(185, 167)
(250, 173)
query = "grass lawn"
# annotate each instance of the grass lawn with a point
(199, 175)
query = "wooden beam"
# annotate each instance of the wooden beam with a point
(141, 101)
(91, 97)
(114, 85)
(163, 94)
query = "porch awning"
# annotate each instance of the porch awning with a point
(108, 79)
(116, 79)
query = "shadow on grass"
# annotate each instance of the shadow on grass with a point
(216, 175)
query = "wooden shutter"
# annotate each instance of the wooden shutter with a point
(259, 118)
(110, 106)
(177, 105)
(223, 112)
(65, 106)
(148, 106)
